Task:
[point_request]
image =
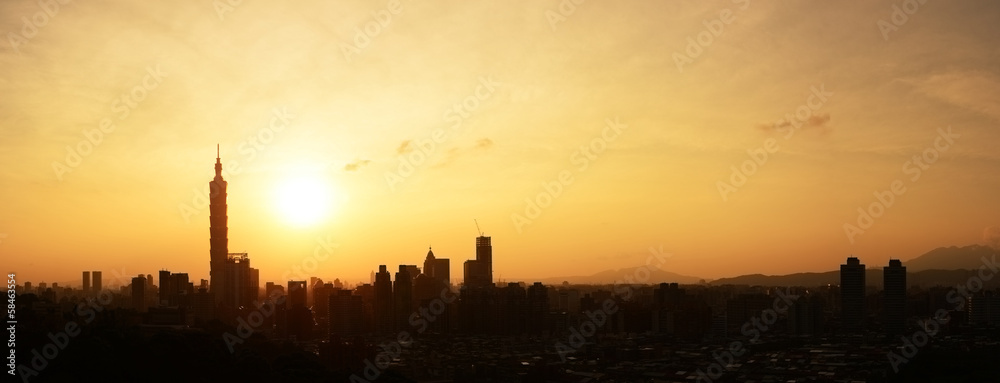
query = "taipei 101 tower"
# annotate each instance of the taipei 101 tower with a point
(219, 230)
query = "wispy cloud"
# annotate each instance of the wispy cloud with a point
(452, 154)
(356, 165)
(404, 147)
(484, 143)
(818, 123)
(973, 90)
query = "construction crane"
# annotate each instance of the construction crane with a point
(477, 227)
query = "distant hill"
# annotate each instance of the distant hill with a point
(873, 277)
(610, 276)
(942, 266)
(951, 258)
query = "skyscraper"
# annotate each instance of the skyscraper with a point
(429, 263)
(894, 297)
(479, 272)
(165, 289)
(437, 268)
(298, 317)
(297, 294)
(484, 253)
(97, 281)
(218, 231)
(346, 315)
(852, 295)
(139, 293)
(402, 294)
(383, 301)
(86, 282)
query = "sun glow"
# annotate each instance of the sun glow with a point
(305, 200)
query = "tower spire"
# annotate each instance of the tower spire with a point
(218, 163)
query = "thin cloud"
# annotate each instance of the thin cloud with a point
(817, 122)
(356, 165)
(452, 154)
(484, 143)
(405, 147)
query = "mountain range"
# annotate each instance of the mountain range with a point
(942, 266)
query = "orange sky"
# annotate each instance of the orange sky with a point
(508, 93)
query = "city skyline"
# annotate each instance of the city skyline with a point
(500, 191)
(629, 101)
(217, 195)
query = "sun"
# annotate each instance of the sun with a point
(305, 200)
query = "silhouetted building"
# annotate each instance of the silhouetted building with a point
(218, 234)
(139, 293)
(232, 280)
(97, 281)
(402, 294)
(367, 293)
(296, 294)
(894, 297)
(383, 309)
(668, 296)
(477, 309)
(852, 295)
(983, 308)
(538, 309)
(741, 308)
(479, 272)
(346, 315)
(272, 290)
(476, 274)
(86, 282)
(438, 268)
(513, 310)
(484, 253)
(298, 318)
(321, 301)
(202, 305)
(164, 288)
(805, 316)
(413, 270)
(254, 285)
(175, 289)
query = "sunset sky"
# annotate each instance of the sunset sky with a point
(508, 92)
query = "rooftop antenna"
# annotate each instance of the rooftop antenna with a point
(477, 227)
(217, 151)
